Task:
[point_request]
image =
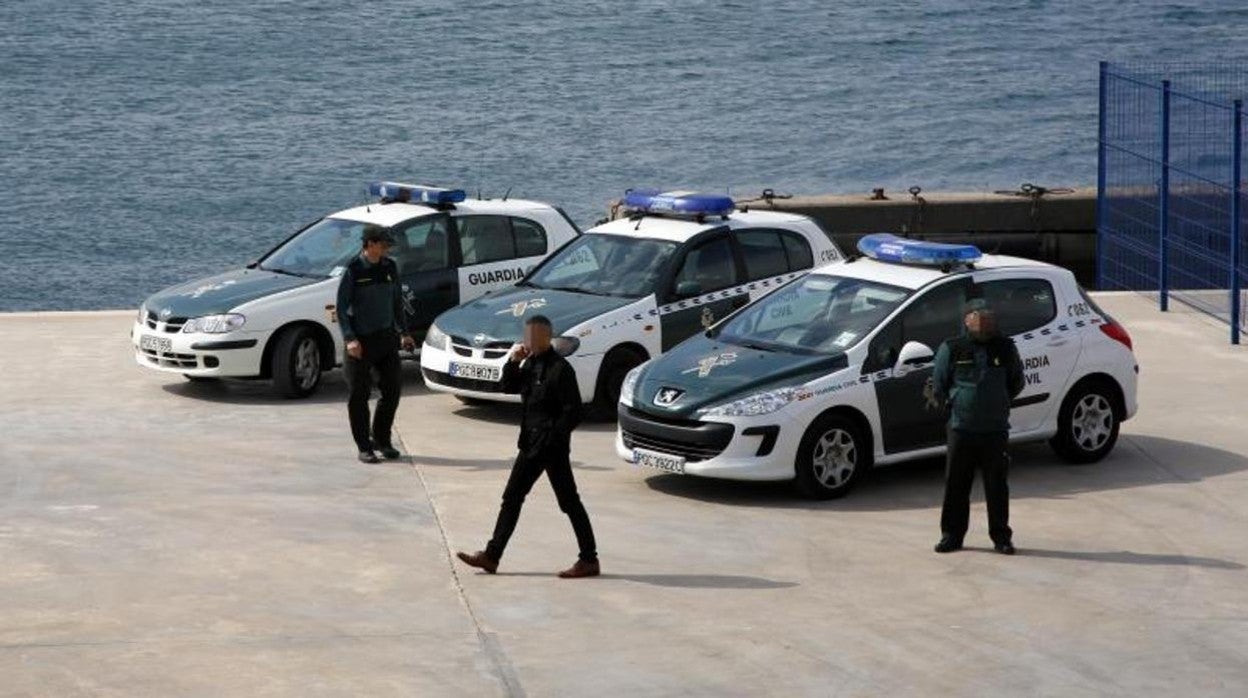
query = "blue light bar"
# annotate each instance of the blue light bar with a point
(678, 203)
(415, 193)
(887, 247)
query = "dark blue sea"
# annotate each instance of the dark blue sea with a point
(143, 142)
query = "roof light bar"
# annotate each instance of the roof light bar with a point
(886, 247)
(678, 203)
(415, 193)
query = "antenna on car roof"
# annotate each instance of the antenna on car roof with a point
(507, 193)
(367, 205)
(478, 193)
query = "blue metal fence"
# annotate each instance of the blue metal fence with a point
(1170, 185)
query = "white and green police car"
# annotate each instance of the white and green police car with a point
(832, 373)
(628, 290)
(276, 319)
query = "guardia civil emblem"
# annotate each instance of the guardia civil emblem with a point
(708, 318)
(519, 308)
(710, 363)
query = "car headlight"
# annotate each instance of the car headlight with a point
(436, 338)
(756, 404)
(629, 387)
(215, 324)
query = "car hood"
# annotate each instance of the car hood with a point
(709, 372)
(500, 316)
(221, 293)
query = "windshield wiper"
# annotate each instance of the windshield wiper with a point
(287, 272)
(573, 289)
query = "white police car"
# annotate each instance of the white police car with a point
(832, 373)
(275, 319)
(628, 290)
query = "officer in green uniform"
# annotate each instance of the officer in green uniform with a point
(977, 375)
(374, 324)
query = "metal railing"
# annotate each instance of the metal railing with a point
(1170, 185)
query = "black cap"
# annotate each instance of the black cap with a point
(375, 234)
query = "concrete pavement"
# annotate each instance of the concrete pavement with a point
(163, 538)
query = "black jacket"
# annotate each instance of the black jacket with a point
(370, 299)
(552, 402)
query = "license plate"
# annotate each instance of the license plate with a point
(476, 372)
(161, 344)
(659, 461)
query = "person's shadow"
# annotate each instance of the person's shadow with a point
(681, 581)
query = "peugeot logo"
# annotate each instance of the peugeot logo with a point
(479, 339)
(666, 397)
(164, 314)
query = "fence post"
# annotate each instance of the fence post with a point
(1163, 202)
(1100, 180)
(1237, 150)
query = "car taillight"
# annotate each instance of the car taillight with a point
(1117, 332)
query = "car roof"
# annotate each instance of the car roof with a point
(393, 213)
(913, 276)
(682, 229)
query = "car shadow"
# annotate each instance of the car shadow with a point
(480, 464)
(242, 391)
(509, 413)
(680, 581)
(1137, 461)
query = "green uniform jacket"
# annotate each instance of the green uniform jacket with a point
(978, 380)
(370, 299)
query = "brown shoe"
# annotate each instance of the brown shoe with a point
(582, 569)
(479, 560)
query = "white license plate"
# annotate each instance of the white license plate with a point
(659, 461)
(476, 372)
(161, 344)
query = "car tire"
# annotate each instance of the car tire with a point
(615, 366)
(1087, 423)
(200, 379)
(833, 456)
(296, 363)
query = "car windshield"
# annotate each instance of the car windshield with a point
(633, 264)
(819, 314)
(318, 250)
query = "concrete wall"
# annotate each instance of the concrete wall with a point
(1057, 226)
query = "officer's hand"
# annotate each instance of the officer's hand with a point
(408, 343)
(355, 350)
(519, 352)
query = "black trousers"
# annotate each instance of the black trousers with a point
(381, 352)
(524, 473)
(987, 452)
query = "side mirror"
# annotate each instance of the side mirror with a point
(565, 346)
(913, 354)
(688, 288)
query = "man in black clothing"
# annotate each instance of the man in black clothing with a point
(977, 375)
(373, 322)
(552, 409)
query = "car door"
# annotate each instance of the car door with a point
(910, 416)
(1026, 310)
(701, 291)
(424, 251)
(489, 254)
(770, 257)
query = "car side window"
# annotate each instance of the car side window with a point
(764, 254)
(422, 245)
(705, 268)
(932, 318)
(485, 239)
(530, 237)
(1021, 305)
(798, 251)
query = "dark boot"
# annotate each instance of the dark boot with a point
(582, 568)
(479, 560)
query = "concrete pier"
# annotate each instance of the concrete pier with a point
(165, 538)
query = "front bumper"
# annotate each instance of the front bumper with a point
(435, 367)
(230, 355)
(733, 449)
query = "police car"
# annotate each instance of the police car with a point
(832, 374)
(628, 290)
(276, 318)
